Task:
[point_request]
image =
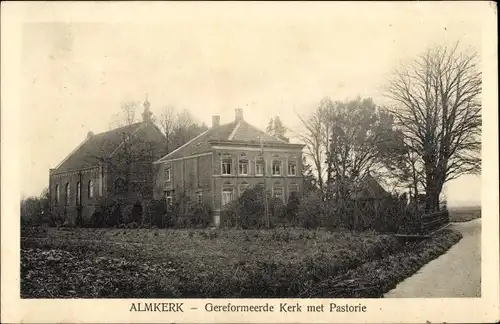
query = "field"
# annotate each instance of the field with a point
(116, 263)
(464, 214)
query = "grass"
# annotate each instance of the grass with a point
(464, 214)
(140, 263)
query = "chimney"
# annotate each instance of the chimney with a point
(238, 114)
(215, 121)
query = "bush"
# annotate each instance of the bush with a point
(115, 218)
(136, 214)
(311, 211)
(156, 211)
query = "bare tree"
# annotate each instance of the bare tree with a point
(167, 123)
(313, 138)
(131, 160)
(126, 115)
(437, 107)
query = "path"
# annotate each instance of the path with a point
(457, 273)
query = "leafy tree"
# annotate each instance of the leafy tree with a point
(276, 128)
(437, 107)
(361, 141)
(36, 208)
(310, 181)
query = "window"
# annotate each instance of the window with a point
(292, 168)
(226, 166)
(167, 174)
(91, 189)
(243, 167)
(58, 194)
(199, 198)
(227, 196)
(78, 193)
(68, 192)
(169, 197)
(276, 167)
(293, 190)
(119, 185)
(278, 193)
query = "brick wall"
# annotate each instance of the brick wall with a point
(67, 207)
(188, 176)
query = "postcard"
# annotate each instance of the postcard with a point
(281, 162)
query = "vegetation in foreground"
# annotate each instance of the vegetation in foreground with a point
(218, 263)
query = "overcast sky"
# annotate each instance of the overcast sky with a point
(268, 59)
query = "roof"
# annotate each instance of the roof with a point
(236, 131)
(370, 188)
(97, 146)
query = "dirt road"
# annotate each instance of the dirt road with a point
(457, 273)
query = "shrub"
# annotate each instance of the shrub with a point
(200, 215)
(155, 214)
(115, 218)
(311, 211)
(292, 209)
(136, 214)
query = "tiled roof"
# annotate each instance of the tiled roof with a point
(237, 131)
(102, 145)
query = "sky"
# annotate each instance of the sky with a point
(271, 60)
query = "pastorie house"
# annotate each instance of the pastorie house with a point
(114, 164)
(216, 167)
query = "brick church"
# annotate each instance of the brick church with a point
(116, 164)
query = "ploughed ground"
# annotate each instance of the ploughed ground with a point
(143, 263)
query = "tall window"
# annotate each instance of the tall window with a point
(68, 193)
(119, 185)
(78, 193)
(91, 189)
(58, 194)
(227, 196)
(278, 193)
(168, 174)
(199, 197)
(169, 197)
(259, 165)
(293, 191)
(276, 167)
(292, 168)
(226, 166)
(243, 167)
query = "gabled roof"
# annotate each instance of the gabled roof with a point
(103, 145)
(236, 131)
(370, 188)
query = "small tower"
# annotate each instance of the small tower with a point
(147, 114)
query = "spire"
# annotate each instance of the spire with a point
(146, 115)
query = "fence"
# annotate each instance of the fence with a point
(433, 221)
